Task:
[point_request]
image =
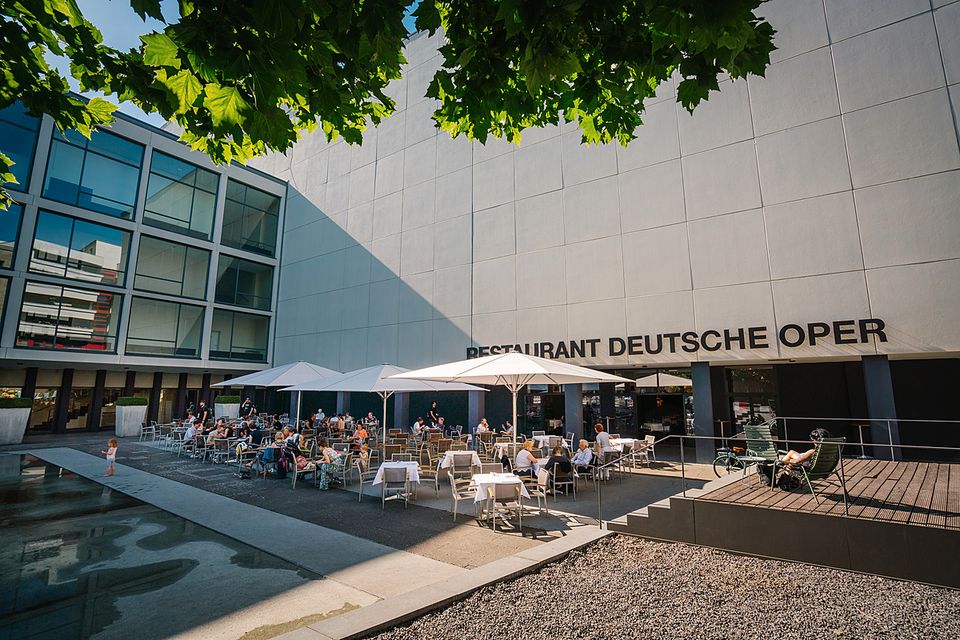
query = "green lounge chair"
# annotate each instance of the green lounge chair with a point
(825, 463)
(761, 448)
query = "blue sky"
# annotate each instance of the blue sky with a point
(121, 28)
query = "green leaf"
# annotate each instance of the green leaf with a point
(145, 8)
(160, 50)
(185, 87)
(225, 105)
(101, 110)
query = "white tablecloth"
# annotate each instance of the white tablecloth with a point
(412, 467)
(485, 480)
(543, 441)
(659, 427)
(447, 460)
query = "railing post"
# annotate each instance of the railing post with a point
(683, 470)
(843, 482)
(890, 439)
(786, 436)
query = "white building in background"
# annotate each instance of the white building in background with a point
(794, 243)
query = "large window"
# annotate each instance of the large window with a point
(244, 283)
(78, 249)
(101, 173)
(19, 134)
(180, 196)
(250, 219)
(159, 328)
(9, 228)
(55, 317)
(239, 336)
(168, 267)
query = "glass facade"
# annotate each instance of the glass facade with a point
(101, 174)
(19, 134)
(55, 317)
(159, 328)
(239, 336)
(79, 250)
(250, 219)
(172, 268)
(244, 283)
(9, 229)
(181, 196)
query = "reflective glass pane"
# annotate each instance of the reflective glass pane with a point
(38, 316)
(250, 219)
(9, 227)
(51, 244)
(98, 253)
(195, 273)
(4, 283)
(63, 173)
(244, 283)
(160, 266)
(249, 337)
(153, 327)
(88, 320)
(116, 147)
(19, 134)
(189, 330)
(221, 333)
(108, 186)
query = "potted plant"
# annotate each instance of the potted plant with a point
(226, 407)
(14, 417)
(131, 411)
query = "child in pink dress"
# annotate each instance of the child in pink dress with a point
(111, 454)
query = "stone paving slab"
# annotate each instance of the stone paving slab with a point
(368, 566)
(390, 612)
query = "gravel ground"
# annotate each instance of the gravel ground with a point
(625, 587)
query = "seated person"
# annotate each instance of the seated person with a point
(190, 434)
(796, 458)
(583, 457)
(361, 432)
(371, 420)
(559, 460)
(441, 425)
(418, 427)
(525, 461)
(328, 459)
(333, 423)
(291, 439)
(483, 427)
(507, 428)
(346, 420)
(190, 419)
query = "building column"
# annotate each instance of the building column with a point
(128, 384)
(343, 402)
(63, 402)
(29, 383)
(573, 411)
(153, 409)
(476, 405)
(881, 406)
(180, 404)
(96, 401)
(401, 411)
(608, 405)
(703, 419)
(205, 389)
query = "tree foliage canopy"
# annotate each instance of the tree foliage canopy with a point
(242, 77)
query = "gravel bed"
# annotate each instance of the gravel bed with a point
(625, 587)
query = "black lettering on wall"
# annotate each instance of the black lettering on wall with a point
(650, 349)
(710, 333)
(593, 342)
(873, 326)
(635, 345)
(757, 336)
(842, 329)
(472, 352)
(817, 330)
(617, 346)
(729, 339)
(690, 342)
(795, 329)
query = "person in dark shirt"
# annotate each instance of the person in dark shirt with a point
(248, 409)
(559, 460)
(203, 413)
(433, 416)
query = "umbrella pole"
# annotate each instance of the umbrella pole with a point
(296, 422)
(515, 427)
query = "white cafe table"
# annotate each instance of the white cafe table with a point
(486, 480)
(618, 443)
(447, 460)
(412, 467)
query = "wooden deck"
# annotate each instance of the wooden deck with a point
(916, 493)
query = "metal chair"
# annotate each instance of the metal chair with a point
(461, 490)
(564, 479)
(505, 499)
(395, 481)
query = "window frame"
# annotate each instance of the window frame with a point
(62, 139)
(188, 232)
(236, 285)
(126, 259)
(116, 337)
(206, 279)
(24, 187)
(179, 305)
(223, 222)
(233, 322)
(17, 235)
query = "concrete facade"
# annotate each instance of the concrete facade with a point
(825, 192)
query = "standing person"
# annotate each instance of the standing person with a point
(248, 409)
(433, 415)
(603, 446)
(111, 454)
(203, 413)
(321, 416)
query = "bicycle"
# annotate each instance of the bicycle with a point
(728, 460)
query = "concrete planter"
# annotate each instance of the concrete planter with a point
(13, 424)
(226, 410)
(130, 419)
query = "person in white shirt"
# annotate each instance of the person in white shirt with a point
(525, 459)
(583, 457)
(603, 446)
(190, 434)
(321, 416)
(483, 427)
(333, 422)
(190, 418)
(417, 427)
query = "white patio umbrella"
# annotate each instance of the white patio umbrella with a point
(378, 380)
(657, 380)
(512, 370)
(282, 376)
